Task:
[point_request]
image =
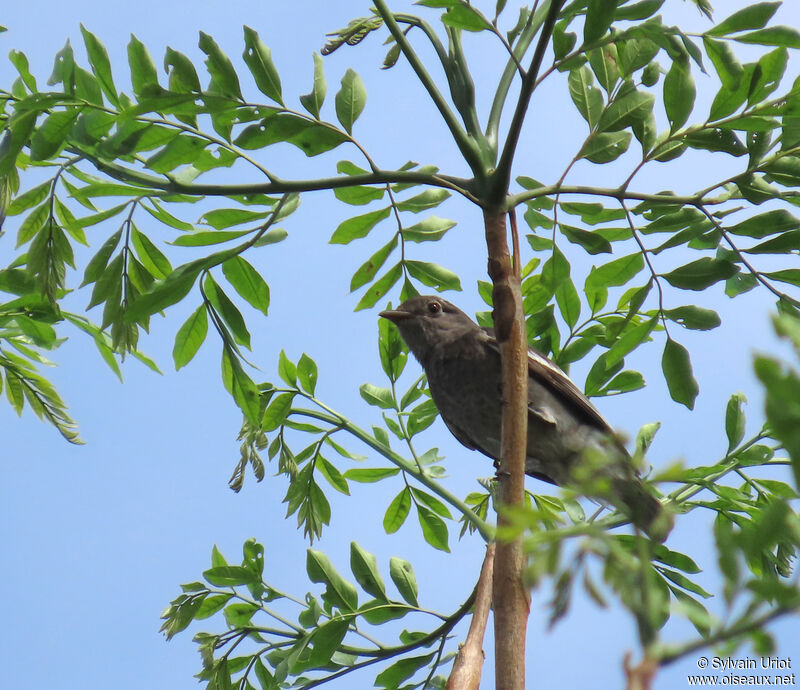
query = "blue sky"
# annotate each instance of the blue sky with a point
(97, 538)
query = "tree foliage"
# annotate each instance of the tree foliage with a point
(84, 153)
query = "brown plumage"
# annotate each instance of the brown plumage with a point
(567, 437)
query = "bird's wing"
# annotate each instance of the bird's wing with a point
(549, 374)
(462, 438)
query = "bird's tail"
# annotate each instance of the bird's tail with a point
(645, 510)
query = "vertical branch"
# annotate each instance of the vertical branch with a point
(466, 144)
(502, 176)
(466, 673)
(510, 598)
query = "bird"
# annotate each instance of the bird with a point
(569, 441)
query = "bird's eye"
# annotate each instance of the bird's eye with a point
(434, 307)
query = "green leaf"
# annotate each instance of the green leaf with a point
(599, 15)
(676, 559)
(463, 16)
(144, 76)
(20, 61)
(52, 133)
(239, 614)
(326, 640)
(636, 53)
(725, 62)
(220, 67)
(150, 256)
(108, 283)
(222, 218)
(247, 282)
(433, 528)
(396, 515)
(605, 147)
(98, 263)
(287, 370)
(350, 100)
(320, 569)
(693, 609)
(183, 76)
(569, 303)
(240, 386)
(259, 59)
(366, 272)
(365, 569)
(313, 101)
(740, 283)
(334, 477)
(592, 242)
(634, 106)
(370, 475)
(630, 340)
(101, 66)
(614, 273)
(179, 151)
(752, 17)
(585, 95)
(277, 411)
(784, 36)
(782, 244)
(227, 310)
(433, 275)
(380, 287)
(427, 499)
(677, 368)
(624, 382)
(679, 93)
(644, 438)
(17, 132)
(700, 274)
(716, 139)
(358, 226)
(190, 337)
(605, 65)
(789, 275)
(211, 605)
(638, 10)
(402, 574)
(375, 395)
(401, 670)
(358, 195)
(694, 317)
(735, 420)
(431, 229)
(307, 373)
(230, 576)
(421, 202)
(42, 334)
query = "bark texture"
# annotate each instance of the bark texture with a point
(509, 597)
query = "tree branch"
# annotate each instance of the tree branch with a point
(504, 84)
(673, 655)
(466, 673)
(467, 146)
(170, 186)
(484, 529)
(502, 175)
(510, 597)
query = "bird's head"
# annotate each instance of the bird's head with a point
(427, 323)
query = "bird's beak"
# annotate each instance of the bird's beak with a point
(395, 316)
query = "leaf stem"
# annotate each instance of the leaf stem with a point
(329, 415)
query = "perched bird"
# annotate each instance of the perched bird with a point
(565, 431)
